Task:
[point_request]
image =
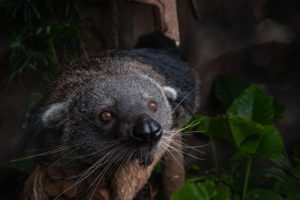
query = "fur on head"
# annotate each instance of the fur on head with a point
(113, 115)
(124, 89)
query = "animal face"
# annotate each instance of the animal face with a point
(115, 119)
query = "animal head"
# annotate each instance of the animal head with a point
(113, 116)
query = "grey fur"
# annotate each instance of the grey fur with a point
(122, 83)
(54, 115)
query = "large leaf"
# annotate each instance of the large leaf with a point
(223, 193)
(250, 138)
(195, 190)
(253, 104)
(216, 127)
(228, 88)
(245, 131)
(254, 139)
(263, 194)
(271, 143)
(191, 191)
(199, 122)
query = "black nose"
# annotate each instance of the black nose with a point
(146, 129)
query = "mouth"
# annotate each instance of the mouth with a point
(144, 153)
(145, 157)
(144, 137)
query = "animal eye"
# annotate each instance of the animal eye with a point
(106, 116)
(152, 105)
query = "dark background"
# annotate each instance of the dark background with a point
(257, 40)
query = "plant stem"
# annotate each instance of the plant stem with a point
(247, 175)
(214, 151)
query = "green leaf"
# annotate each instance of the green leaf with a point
(246, 134)
(253, 104)
(210, 188)
(207, 190)
(271, 143)
(199, 122)
(263, 194)
(223, 193)
(228, 88)
(191, 191)
(254, 139)
(218, 127)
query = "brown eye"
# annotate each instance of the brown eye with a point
(152, 105)
(106, 116)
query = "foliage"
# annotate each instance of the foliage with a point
(43, 33)
(286, 176)
(228, 88)
(248, 124)
(262, 194)
(196, 190)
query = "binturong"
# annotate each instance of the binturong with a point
(106, 122)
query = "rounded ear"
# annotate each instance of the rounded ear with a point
(54, 115)
(170, 93)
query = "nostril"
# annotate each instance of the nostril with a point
(141, 131)
(135, 135)
(154, 126)
(147, 130)
(156, 131)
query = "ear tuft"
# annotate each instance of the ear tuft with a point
(54, 115)
(170, 92)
